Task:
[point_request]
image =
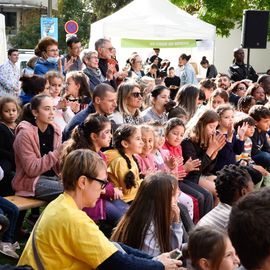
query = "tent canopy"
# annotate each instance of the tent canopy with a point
(3, 40)
(152, 20)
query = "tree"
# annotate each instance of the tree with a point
(78, 11)
(107, 7)
(224, 14)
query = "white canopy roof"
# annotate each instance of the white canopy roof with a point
(3, 40)
(152, 20)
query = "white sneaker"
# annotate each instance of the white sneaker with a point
(8, 249)
(16, 245)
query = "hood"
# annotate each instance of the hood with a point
(24, 125)
(27, 125)
(111, 155)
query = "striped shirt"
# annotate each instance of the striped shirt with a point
(217, 218)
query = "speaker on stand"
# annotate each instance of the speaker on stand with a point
(254, 31)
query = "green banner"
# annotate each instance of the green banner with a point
(144, 43)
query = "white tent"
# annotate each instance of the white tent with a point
(152, 20)
(152, 24)
(3, 41)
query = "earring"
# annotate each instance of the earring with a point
(35, 117)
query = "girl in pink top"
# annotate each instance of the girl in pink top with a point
(37, 149)
(174, 133)
(146, 158)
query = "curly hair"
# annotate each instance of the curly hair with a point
(230, 181)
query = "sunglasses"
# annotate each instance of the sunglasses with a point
(103, 183)
(137, 94)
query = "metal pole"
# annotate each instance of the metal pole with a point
(49, 9)
(248, 56)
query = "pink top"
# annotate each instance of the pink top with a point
(29, 163)
(146, 163)
(175, 151)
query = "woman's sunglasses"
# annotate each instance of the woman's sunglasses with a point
(137, 94)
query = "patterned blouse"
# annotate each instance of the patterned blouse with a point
(9, 79)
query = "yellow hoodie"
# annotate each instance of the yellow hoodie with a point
(117, 169)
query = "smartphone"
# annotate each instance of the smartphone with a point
(176, 254)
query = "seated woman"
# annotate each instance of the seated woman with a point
(90, 59)
(157, 112)
(37, 149)
(82, 245)
(152, 223)
(209, 249)
(129, 102)
(187, 97)
(135, 71)
(95, 133)
(257, 92)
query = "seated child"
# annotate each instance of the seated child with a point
(245, 158)
(260, 152)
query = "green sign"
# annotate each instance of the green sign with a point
(144, 43)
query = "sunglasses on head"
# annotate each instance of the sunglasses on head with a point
(137, 94)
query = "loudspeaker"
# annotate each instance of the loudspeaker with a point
(254, 29)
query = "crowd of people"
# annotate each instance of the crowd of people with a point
(161, 158)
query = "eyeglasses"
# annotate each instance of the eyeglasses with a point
(53, 50)
(137, 94)
(110, 49)
(103, 183)
(241, 88)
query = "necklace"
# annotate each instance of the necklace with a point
(12, 131)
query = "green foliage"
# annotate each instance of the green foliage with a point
(77, 11)
(107, 7)
(224, 14)
(28, 35)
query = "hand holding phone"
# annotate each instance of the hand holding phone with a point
(176, 254)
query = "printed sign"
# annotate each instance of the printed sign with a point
(49, 27)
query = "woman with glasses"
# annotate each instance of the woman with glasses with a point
(91, 61)
(237, 90)
(129, 102)
(65, 237)
(48, 53)
(94, 134)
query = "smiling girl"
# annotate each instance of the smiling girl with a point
(37, 148)
(123, 170)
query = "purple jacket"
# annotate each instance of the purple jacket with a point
(99, 211)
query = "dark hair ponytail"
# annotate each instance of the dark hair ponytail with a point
(123, 133)
(204, 61)
(34, 104)
(186, 57)
(80, 136)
